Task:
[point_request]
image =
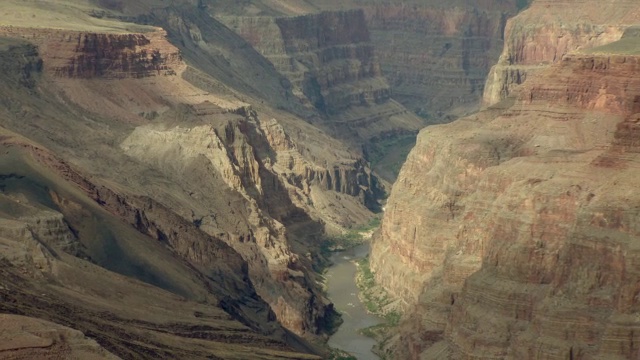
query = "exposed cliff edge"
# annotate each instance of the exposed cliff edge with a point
(546, 31)
(513, 233)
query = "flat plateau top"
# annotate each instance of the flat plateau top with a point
(78, 15)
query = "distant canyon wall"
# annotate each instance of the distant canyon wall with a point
(434, 56)
(331, 62)
(86, 55)
(437, 56)
(328, 56)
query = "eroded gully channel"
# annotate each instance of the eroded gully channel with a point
(343, 292)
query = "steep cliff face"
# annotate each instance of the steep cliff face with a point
(87, 55)
(327, 56)
(513, 230)
(118, 56)
(330, 61)
(275, 186)
(437, 56)
(546, 31)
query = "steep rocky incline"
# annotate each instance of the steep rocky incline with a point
(235, 198)
(513, 233)
(41, 213)
(546, 31)
(24, 337)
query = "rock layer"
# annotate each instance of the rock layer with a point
(112, 56)
(437, 56)
(330, 60)
(327, 56)
(25, 337)
(546, 31)
(511, 233)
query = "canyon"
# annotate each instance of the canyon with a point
(172, 175)
(509, 233)
(435, 55)
(165, 172)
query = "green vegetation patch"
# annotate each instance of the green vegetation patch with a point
(377, 302)
(337, 354)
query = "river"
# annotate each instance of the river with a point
(343, 292)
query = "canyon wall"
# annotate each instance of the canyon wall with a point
(327, 56)
(546, 31)
(86, 55)
(330, 60)
(511, 233)
(437, 56)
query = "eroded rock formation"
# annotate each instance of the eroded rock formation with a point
(329, 59)
(511, 233)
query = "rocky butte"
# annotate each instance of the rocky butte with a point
(513, 233)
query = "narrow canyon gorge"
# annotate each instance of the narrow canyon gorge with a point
(178, 178)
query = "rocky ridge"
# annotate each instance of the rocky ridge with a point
(517, 238)
(40, 212)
